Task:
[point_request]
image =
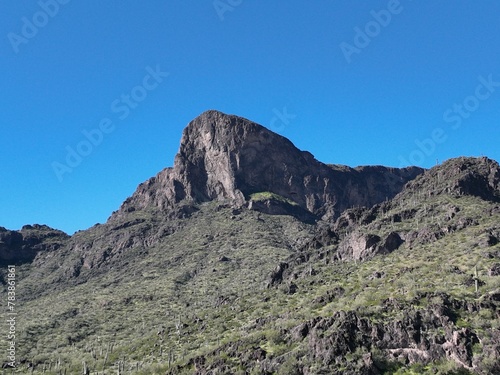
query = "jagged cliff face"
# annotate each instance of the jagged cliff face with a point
(223, 157)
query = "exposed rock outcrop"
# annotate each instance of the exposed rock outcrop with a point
(361, 246)
(478, 177)
(273, 206)
(359, 345)
(23, 246)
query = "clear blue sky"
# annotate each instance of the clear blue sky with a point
(362, 82)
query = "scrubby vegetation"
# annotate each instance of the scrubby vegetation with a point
(226, 290)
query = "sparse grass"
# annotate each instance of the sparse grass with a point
(202, 304)
(266, 195)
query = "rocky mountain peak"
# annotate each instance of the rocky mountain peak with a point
(216, 149)
(22, 246)
(475, 176)
(226, 157)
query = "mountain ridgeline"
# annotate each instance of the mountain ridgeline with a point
(249, 256)
(229, 158)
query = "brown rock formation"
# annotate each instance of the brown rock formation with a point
(225, 157)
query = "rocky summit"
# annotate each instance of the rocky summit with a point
(249, 256)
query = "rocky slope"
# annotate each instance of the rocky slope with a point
(22, 246)
(249, 256)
